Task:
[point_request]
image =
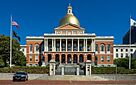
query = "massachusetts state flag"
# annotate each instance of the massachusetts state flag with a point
(15, 24)
(132, 22)
(16, 35)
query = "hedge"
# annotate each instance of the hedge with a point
(112, 70)
(36, 70)
(45, 70)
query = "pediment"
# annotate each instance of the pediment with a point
(69, 26)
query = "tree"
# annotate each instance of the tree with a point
(2, 63)
(18, 57)
(133, 63)
(124, 62)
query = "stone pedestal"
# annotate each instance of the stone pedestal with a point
(77, 72)
(52, 67)
(62, 70)
(88, 68)
(43, 64)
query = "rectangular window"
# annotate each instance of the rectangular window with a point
(126, 55)
(108, 47)
(117, 55)
(30, 58)
(131, 50)
(31, 47)
(116, 50)
(126, 50)
(36, 58)
(121, 50)
(121, 55)
(96, 47)
(108, 58)
(102, 58)
(49, 44)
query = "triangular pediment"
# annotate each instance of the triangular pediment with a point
(69, 26)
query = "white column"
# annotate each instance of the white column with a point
(62, 70)
(77, 72)
(78, 45)
(92, 45)
(52, 44)
(66, 44)
(60, 44)
(72, 45)
(47, 44)
(84, 44)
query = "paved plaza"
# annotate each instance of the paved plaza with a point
(68, 82)
(93, 77)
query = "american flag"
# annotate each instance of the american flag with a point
(15, 24)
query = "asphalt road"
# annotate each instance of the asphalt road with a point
(61, 82)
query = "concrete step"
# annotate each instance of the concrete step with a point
(72, 77)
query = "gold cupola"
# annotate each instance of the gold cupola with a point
(69, 18)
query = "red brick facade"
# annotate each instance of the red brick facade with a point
(95, 57)
(105, 54)
(33, 53)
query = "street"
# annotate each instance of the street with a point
(68, 82)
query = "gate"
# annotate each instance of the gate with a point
(58, 71)
(82, 69)
(70, 70)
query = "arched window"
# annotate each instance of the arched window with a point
(96, 47)
(81, 59)
(108, 47)
(36, 47)
(89, 57)
(102, 47)
(31, 47)
(57, 58)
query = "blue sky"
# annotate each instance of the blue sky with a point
(36, 17)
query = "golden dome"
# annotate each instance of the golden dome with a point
(69, 18)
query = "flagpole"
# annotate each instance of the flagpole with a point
(130, 44)
(10, 40)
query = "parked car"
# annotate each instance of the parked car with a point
(20, 76)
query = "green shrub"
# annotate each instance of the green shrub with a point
(43, 70)
(112, 70)
(36, 70)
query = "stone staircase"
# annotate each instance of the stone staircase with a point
(72, 77)
(69, 69)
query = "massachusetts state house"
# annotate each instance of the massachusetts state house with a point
(69, 45)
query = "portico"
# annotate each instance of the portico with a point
(62, 44)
